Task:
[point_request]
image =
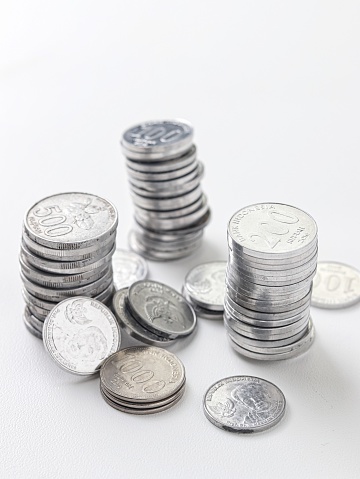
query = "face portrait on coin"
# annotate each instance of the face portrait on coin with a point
(75, 312)
(87, 345)
(160, 310)
(254, 402)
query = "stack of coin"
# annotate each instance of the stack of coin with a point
(67, 244)
(204, 288)
(142, 380)
(153, 313)
(272, 262)
(171, 210)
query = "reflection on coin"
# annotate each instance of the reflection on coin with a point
(205, 285)
(336, 285)
(80, 333)
(128, 267)
(244, 404)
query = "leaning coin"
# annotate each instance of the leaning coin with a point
(80, 333)
(244, 404)
(128, 267)
(142, 374)
(131, 326)
(205, 285)
(161, 309)
(335, 286)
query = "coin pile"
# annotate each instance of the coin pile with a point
(271, 264)
(79, 334)
(67, 244)
(171, 210)
(153, 313)
(204, 288)
(142, 380)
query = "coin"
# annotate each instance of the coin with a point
(205, 285)
(153, 374)
(161, 309)
(71, 221)
(336, 285)
(128, 267)
(244, 404)
(157, 140)
(79, 334)
(133, 327)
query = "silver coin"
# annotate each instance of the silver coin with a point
(161, 309)
(201, 312)
(163, 176)
(41, 303)
(33, 320)
(205, 285)
(37, 312)
(298, 348)
(52, 280)
(335, 286)
(162, 167)
(55, 295)
(157, 140)
(244, 404)
(93, 252)
(71, 221)
(65, 267)
(165, 204)
(31, 329)
(80, 333)
(142, 374)
(128, 267)
(137, 411)
(165, 241)
(131, 326)
(172, 213)
(272, 230)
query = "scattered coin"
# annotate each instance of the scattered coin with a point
(164, 177)
(272, 262)
(67, 244)
(142, 380)
(244, 404)
(336, 285)
(128, 267)
(79, 334)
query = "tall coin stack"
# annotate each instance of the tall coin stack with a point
(171, 210)
(271, 264)
(67, 244)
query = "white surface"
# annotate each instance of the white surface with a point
(272, 89)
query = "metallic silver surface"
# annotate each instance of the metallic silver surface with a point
(205, 285)
(244, 404)
(80, 333)
(133, 327)
(161, 309)
(335, 286)
(128, 267)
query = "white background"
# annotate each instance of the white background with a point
(272, 88)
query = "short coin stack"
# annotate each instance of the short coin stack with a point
(204, 288)
(67, 244)
(171, 210)
(272, 261)
(142, 380)
(154, 313)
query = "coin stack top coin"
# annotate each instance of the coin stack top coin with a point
(272, 262)
(67, 244)
(142, 380)
(204, 288)
(171, 210)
